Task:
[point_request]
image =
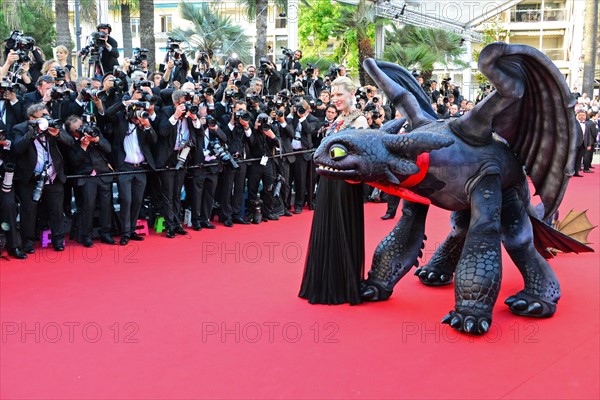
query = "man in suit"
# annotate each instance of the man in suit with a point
(40, 165)
(305, 126)
(586, 134)
(89, 157)
(286, 161)
(57, 103)
(205, 178)
(8, 205)
(11, 112)
(273, 78)
(237, 130)
(589, 153)
(109, 53)
(132, 143)
(178, 132)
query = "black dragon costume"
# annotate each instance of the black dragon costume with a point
(475, 166)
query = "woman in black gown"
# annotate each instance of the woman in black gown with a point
(336, 252)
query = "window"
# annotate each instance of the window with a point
(280, 22)
(166, 23)
(135, 27)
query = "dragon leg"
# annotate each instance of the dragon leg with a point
(396, 253)
(440, 269)
(479, 273)
(542, 290)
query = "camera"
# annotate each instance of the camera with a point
(279, 113)
(6, 86)
(138, 109)
(174, 51)
(222, 154)
(279, 181)
(88, 127)
(96, 40)
(263, 68)
(88, 93)
(191, 107)
(210, 122)
(334, 71)
(139, 55)
(60, 73)
(264, 124)
(58, 93)
(42, 124)
(16, 41)
(287, 52)
(243, 115)
(310, 70)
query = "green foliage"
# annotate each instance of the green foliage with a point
(32, 22)
(317, 22)
(211, 31)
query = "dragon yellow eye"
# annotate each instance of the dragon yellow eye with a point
(337, 152)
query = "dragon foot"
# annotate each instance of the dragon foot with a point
(432, 275)
(462, 322)
(530, 306)
(374, 290)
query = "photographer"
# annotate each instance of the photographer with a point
(272, 78)
(177, 70)
(87, 100)
(89, 157)
(22, 71)
(305, 126)
(331, 113)
(139, 62)
(132, 143)
(56, 99)
(238, 130)
(10, 108)
(39, 173)
(202, 67)
(290, 66)
(179, 129)
(312, 82)
(224, 109)
(28, 53)
(321, 105)
(109, 50)
(285, 161)
(263, 143)
(205, 178)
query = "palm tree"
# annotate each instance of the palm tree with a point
(357, 24)
(590, 46)
(126, 7)
(211, 32)
(147, 31)
(88, 12)
(424, 45)
(259, 11)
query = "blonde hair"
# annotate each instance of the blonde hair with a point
(346, 83)
(61, 49)
(47, 65)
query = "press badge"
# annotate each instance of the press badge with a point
(263, 160)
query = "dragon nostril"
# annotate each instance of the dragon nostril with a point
(337, 152)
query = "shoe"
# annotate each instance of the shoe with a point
(297, 211)
(239, 220)
(577, 175)
(587, 171)
(124, 240)
(180, 231)
(136, 237)
(207, 225)
(107, 239)
(388, 216)
(17, 253)
(286, 213)
(28, 247)
(170, 233)
(87, 242)
(228, 223)
(272, 217)
(59, 246)
(196, 226)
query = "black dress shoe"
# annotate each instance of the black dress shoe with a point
(196, 226)
(170, 233)
(238, 220)
(180, 231)
(136, 237)
(58, 246)
(207, 225)
(17, 253)
(272, 217)
(297, 211)
(124, 240)
(87, 242)
(577, 175)
(286, 213)
(107, 239)
(388, 216)
(28, 247)
(587, 171)
(228, 223)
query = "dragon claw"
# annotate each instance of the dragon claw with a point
(484, 326)
(373, 291)
(432, 276)
(469, 324)
(418, 271)
(456, 322)
(466, 323)
(447, 318)
(527, 305)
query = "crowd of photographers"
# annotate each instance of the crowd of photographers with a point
(236, 141)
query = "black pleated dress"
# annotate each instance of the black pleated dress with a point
(335, 262)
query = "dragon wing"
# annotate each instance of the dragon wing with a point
(533, 110)
(403, 90)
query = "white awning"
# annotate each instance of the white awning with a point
(458, 16)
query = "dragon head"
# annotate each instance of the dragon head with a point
(372, 156)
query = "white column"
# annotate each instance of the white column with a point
(379, 41)
(292, 24)
(467, 75)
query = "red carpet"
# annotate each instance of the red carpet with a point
(216, 315)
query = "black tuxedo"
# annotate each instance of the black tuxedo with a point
(109, 59)
(286, 162)
(261, 145)
(309, 128)
(234, 179)
(26, 153)
(273, 82)
(57, 109)
(131, 186)
(171, 181)
(585, 138)
(205, 178)
(10, 115)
